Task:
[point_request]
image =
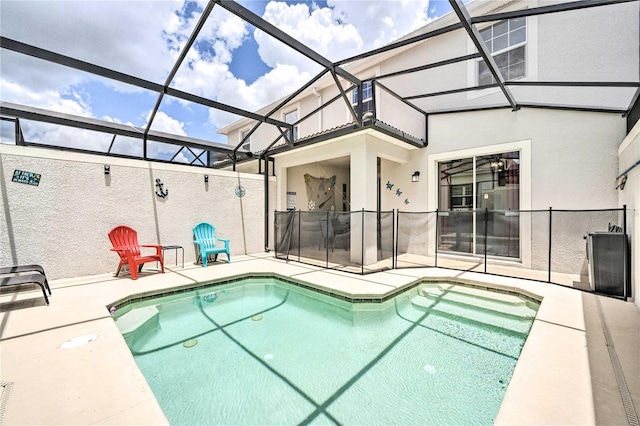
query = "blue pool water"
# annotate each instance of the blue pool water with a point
(261, 351)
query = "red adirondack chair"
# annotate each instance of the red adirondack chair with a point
(125, 242)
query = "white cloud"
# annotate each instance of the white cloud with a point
(125, 36)
(324, 30)
(56, 135)
(140, 38)
(315, 28)
(341, 30)
(380, 22)
(278, 82)
(163, 123)
(46, 99)
(144, 38)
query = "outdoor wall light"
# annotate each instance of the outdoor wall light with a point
(206, 178)
(497, 164)
(415, 177)
(107, 169)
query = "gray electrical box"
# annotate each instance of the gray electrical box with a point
(607, 262)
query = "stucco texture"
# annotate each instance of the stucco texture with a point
(574, 157)
(63, 222)
(629, 195)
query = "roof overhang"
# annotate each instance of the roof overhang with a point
(377, 128)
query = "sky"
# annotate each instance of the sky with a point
(231, 62)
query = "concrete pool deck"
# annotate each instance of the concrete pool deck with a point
(566, 373)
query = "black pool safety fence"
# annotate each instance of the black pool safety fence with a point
(584, 249)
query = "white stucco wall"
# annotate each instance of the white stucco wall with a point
(569, 158)
(629, 152)
(361, 148)
(568, 161)
(573, 160)
(578, 45)
(62, 224)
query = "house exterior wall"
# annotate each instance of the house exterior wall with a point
(602, 32)
(629, 195)
(569, 158)
(331, 116)
(334, 115)
(63, 222)
(305, 106)
(573, 154)
(572, 162)
(260, 139)
(555, 48)
(355, 147)
(568, 161)
(433, 50)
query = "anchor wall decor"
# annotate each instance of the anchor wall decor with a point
(161, 192)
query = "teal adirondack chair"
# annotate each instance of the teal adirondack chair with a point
(205, 238)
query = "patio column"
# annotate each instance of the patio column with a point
(364, 194)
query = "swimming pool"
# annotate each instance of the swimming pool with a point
(262, 351)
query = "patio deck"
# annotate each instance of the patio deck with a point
(566, 373)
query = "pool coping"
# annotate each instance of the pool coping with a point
(141, 297)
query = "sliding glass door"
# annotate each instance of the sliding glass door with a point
(478, 199)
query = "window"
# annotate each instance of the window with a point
(247, 144)
(290, 118)
(367, 97)
(461, 197)
(506, 41)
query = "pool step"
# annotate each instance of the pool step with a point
(477, 313)
(437, 289)
(500, 334)
(138, 323)
(504, 303)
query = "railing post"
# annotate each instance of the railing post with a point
(625, 277)
(486, 225)
(326, 243)
(266, 204)
(373, 99)
(290, 230)
(299, 230)
(394, 256)
(426, 130)
(144, 147)
(437, 235)
(19, 138)
(362, 244)
(550, 216)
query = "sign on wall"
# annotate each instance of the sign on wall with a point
(29, 178)
(291, 200)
